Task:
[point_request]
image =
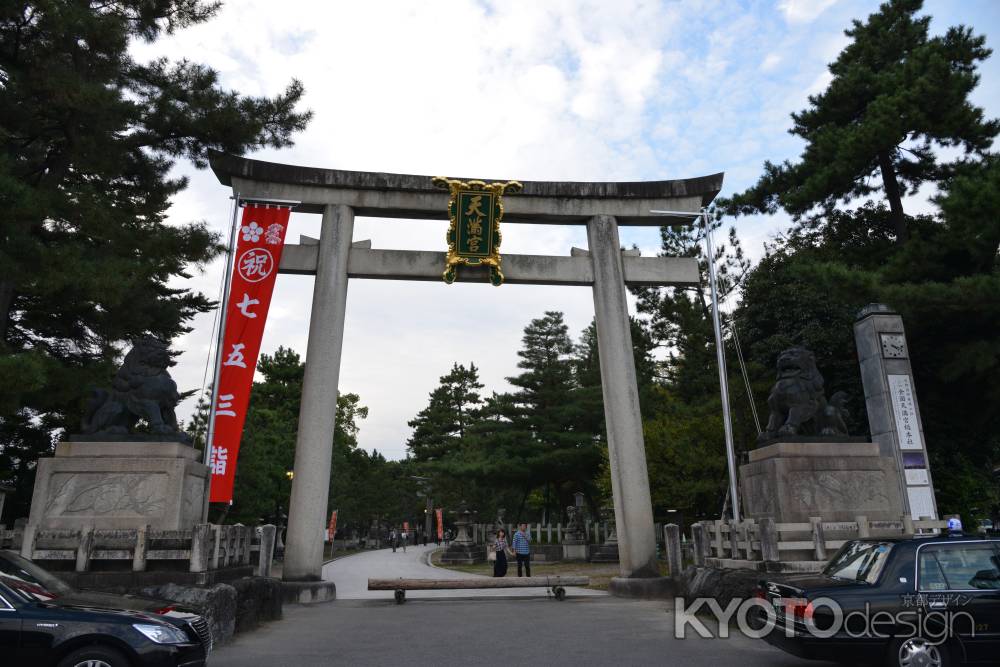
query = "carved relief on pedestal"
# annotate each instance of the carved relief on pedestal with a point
(843, 490)
(106, 495)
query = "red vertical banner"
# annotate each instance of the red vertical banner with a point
(440, 517)
(332, 528)
(258, 253)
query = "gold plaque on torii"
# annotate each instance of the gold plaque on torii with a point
(475, 210)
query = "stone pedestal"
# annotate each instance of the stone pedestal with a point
(116, 485)
(574, 550)
(790, 482)
(463, 550)
(603, 553)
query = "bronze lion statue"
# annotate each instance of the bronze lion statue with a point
(142, 390)
(797, 402)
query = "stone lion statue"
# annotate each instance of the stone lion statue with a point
(142, 390)
(797, 402)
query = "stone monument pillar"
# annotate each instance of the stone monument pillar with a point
(893, 411)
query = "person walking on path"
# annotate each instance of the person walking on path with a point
(393, 540)
(404, 540)
(522, 548)
(500, 549)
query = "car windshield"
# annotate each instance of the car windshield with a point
(28, 580)
(859, 561)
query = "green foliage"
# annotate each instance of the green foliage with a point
(442, 425)
(897, 94)
(88, 139)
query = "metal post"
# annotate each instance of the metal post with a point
(224, 307)
(723, 375)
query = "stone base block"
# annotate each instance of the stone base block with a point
(308, 592)
(603, 553)
(574, 551)
(641, 588)
(124, 581)
(464, 554)
(116, 485)
(793, 481)
(546, 553)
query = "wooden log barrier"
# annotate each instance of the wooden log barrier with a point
(400, 586)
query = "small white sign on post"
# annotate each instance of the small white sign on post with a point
(921, 502)
(905, 411)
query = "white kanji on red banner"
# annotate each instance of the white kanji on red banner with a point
(218, 460)
(254, 271)
(255, 265)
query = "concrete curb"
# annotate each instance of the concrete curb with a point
(356, 553)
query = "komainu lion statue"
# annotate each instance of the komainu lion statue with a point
(798, 405)
(142, 390)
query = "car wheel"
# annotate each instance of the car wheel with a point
(95, 656)
(918, 652)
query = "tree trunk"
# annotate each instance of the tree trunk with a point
(895, 201)
(6, 300)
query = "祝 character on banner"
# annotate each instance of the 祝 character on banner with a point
(255, 265)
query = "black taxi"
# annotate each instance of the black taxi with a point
(909, 601)
(45, 622)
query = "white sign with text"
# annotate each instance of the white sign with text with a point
(905, 411)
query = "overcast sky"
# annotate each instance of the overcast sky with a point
(554, 90)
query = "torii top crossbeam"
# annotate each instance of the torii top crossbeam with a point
(408, 196)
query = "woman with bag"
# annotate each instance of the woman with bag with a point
(498, 554)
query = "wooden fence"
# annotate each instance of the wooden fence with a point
(809, 545)
(205, 547)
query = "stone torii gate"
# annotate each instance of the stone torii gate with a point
(341, 195)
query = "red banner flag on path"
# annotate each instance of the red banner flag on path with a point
(332, 528)
(440, 518)
(258, 252)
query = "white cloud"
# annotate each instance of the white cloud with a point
(770, 62)
(803, 11)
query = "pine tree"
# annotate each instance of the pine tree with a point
(88, 139)
(451, 409)
(896, 97)
(549, 422)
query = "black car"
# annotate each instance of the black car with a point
(45, 622)
(918, 601)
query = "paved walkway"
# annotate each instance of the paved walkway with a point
(489, 632)
(351, 575)
(369, 628)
